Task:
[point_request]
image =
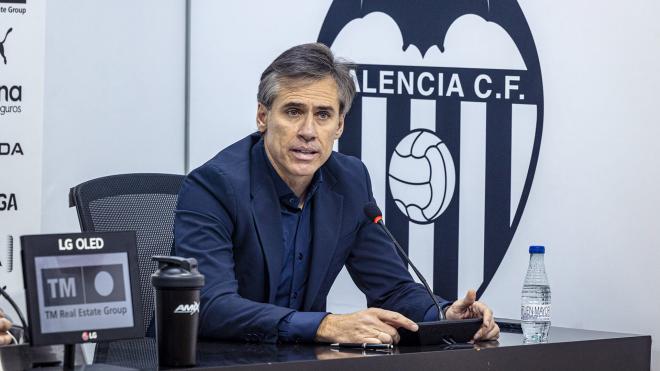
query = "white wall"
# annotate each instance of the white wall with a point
(231, 44)
(114, 95)
(594, 199)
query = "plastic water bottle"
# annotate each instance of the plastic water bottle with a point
(535, 308)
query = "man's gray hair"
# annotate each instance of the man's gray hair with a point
(313, 61)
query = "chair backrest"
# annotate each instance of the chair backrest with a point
(143, 203)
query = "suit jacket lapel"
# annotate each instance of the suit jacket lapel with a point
(267, 217)
(326, 220)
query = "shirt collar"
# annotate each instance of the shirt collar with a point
(284, 192)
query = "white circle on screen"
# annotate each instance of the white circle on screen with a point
(103, 283)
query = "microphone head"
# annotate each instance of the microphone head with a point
(372, 211)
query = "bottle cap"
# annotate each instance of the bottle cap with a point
(175, 272)
(536, 249)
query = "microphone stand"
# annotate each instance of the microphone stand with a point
(441, 315)
(428, 333)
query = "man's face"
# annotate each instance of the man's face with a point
(300, 128)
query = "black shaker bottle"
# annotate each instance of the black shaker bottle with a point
(177, 283)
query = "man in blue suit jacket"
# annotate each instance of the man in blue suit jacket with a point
(273, 218)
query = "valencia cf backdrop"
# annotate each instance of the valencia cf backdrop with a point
(487, 126)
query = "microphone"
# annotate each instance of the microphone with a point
(374, 214)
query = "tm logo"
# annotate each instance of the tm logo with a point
(2, 45)
(188, 308)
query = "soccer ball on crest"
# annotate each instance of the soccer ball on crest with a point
(422, 176)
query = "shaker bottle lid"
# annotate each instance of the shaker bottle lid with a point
(176, 272)
(536, 249)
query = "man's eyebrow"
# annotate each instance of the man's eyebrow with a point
(301, 105)
(326, 108)
(293, 105)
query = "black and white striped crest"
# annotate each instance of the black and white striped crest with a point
(451, 151)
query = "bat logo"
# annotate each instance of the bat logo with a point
(462, 120)
(2, 46)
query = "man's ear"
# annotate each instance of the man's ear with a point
(262, 118)
(340, 128)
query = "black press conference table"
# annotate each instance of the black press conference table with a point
(566, 349)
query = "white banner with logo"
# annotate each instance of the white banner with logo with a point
(22, 35)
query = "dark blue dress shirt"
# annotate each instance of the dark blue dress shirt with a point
(297, 242)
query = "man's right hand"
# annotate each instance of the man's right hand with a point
(5, 325)
(371, 325)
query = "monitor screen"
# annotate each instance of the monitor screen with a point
(81, 287)
(80, 292)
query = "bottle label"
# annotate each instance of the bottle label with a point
(535, 312)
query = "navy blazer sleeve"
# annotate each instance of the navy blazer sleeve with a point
(378, 271)
(203, 230)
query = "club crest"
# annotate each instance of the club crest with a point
(448, 122)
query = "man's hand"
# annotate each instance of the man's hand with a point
(372, 325)
(467, 308)
(5, 325)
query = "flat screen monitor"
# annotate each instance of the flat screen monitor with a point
(81, 287)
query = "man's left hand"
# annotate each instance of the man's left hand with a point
(469, 307)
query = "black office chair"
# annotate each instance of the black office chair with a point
(143, 203)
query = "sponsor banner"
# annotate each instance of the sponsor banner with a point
(22, 38)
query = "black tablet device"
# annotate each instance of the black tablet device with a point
(441, 332)
(81, 287)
